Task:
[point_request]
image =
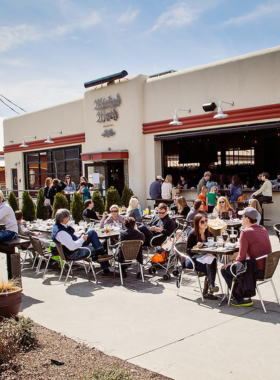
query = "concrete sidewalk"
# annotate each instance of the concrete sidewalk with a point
(149, 325)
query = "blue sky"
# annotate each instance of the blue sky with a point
(49, 48)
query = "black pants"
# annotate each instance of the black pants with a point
(149, 235)
(262, 198)
(226, 273)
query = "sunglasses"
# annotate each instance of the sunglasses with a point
(203, 221)
(222, 202)
(115, 211)
(161, 213)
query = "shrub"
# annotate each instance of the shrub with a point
(77, 207)
(28, 207)
(126, 195)
(13, 202)
(98, 202)
(42, 211)
(60, 201)
(112, 198)
(110, 374)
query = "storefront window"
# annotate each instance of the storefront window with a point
(54, 163)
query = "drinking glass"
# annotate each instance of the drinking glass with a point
(107, 230)
(219, 241)
(210, 240)
(147, 211)
(224, 236)
(230, 215)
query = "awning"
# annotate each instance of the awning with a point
(218, 131)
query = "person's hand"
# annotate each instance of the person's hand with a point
(153, 228)
(273, 186)
(251, 196)
(84, 237)
(159, 229)
(105, 214)
(227, 265)
(199, 245)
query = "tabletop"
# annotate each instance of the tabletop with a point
(216, 251)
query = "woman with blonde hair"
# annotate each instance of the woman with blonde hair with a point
(255, 203)
(223, 208)
(166, 189)
(133, 211)
(203, 197)
(183, 208)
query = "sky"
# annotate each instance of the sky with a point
(50, 48)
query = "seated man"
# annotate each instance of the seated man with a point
(276, 182)
(64, 234)
(254, 242)
(7, 217)
(159, 224)
(22, 230)
(131, 233)
(88, 212)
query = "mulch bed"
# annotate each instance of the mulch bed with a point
(79, 360)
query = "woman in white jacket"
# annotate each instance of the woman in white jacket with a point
(166, 189)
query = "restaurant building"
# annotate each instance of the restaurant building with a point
(122, 130)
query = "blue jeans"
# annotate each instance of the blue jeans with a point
(7, 235)
(198, 265)
(96, 249)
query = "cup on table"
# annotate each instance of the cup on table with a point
(147, 211)
(210, 241)
(107, 230)
(220, 241)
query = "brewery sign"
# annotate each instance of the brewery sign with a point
(107, 108)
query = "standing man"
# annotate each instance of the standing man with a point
(159, 224)
(254, 242)
(203, 182)
(155, 188)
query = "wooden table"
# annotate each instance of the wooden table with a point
(103, 235)
(13, 257)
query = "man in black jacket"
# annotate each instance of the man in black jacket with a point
(88, 212)
(159, 224)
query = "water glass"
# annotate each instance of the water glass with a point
(210, 240)
(220, 241)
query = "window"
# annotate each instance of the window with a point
(55, 163)
(172, 161)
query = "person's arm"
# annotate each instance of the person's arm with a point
(243, 247)
(168, 227)
(105, 221)
(65, 239)
(233, 213)
(137, 215)
(73, 186)
(264, 186)
(3, 212)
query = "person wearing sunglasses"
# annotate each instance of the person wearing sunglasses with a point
(197, 236)
(223, 207)
(160, 224)
(113, 217)
(70, 185)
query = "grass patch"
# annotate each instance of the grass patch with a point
(110, 374)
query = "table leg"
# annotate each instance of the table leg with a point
(226, 295)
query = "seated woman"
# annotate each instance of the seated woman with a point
(197, 207)
(254, 203)
(139, 206)
(197, 236)
(112, 218)
(264, 194)
(183, 208)
(223, 208)
(133, 210)
(235, 189)
(131, 233)
(183, 183)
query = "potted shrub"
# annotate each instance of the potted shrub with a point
(10, 298)
(126, 195)
(28, 207)
(77, 207)
(42, 211)
(112, 198)
(98, 201)
(13, 202)
(60, 201)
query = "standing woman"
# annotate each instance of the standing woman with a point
(48, 183)
(166, 189)
(197, 236)
(264, 194)
(223, 207)
(133, 210)
(70, 186)
(84, 179)
(203, 197)
(235, 189)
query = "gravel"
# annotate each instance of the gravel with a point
(79, 361)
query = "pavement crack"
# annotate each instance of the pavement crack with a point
(191, 335)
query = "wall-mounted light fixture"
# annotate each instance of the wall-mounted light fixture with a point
(220, 114)
(49, 140)
(17, 163)
(175, 118)
(24, 145)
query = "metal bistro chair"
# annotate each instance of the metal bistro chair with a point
(70, 263)
(271, 263)
(28, 251)
(181, 251)
(277, 230)
(130, 250)
(40, 253)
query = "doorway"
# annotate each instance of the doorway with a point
(15, 181)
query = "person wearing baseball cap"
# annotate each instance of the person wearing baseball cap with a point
(155, 188)
(254, 243)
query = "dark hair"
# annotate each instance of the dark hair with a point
(68, 175)
(162, 206)
(197, 203)
(129, 222)
(83, 184)
(266, 175)
(84, 178)
(55, 182)
(212, 177)
(253, 221)
(18, 215)
(196, 221)
(87, 202)
(235, 180)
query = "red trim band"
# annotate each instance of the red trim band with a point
(104, 156)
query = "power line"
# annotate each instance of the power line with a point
(12, 103)
(8, 106)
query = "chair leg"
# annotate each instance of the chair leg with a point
(260, 297)
(142, 274)
(62, 268)
(230, 295)
(35, 258)
(121, 277)
(220, 282)
(180, 282)
(93, 271)
(70, 267)
(272, 283)
(201, 292)
(45, 271)
(24, 260)
(39, 265)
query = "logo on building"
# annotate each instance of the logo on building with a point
(107, 108)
